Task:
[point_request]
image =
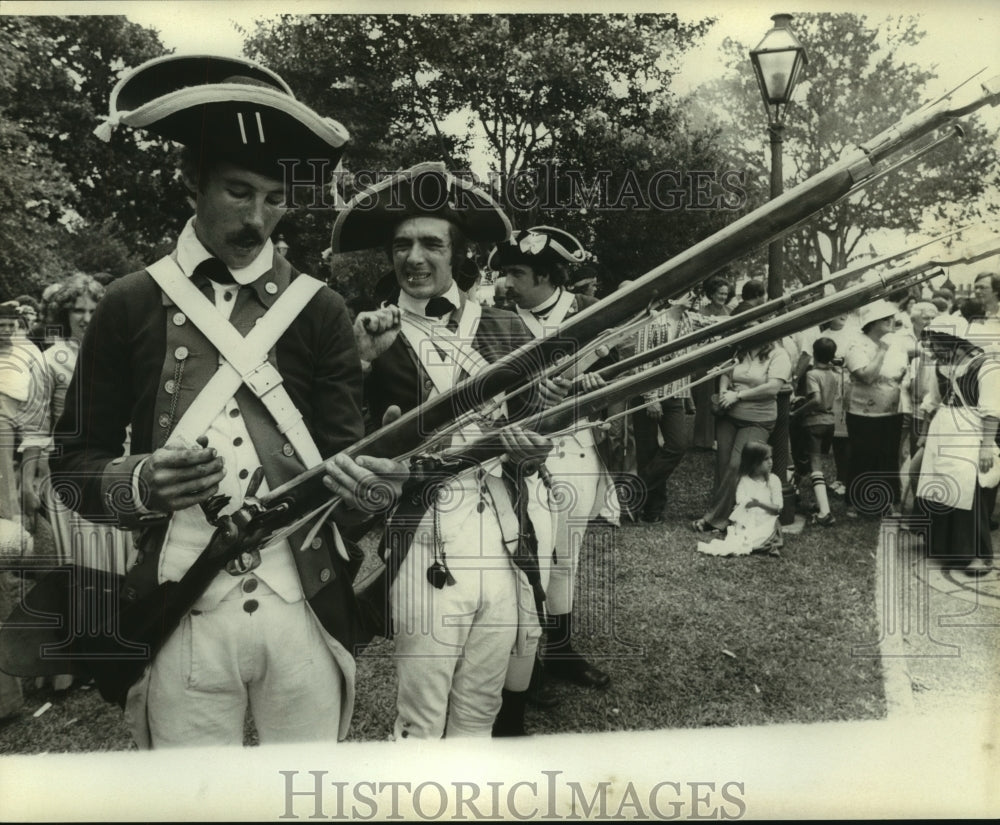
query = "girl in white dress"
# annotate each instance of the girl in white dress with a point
(753, 524)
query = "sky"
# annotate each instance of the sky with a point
(962, 36)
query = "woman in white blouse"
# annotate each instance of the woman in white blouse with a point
(874, 423)
(78, 541)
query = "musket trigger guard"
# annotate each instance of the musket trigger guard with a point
(246, 561)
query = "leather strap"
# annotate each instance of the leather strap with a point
(552, 321)
(244, 359)
(444, 354)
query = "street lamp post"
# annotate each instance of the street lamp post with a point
(777, 63)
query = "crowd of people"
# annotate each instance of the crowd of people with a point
(163, 400)
(863, 389)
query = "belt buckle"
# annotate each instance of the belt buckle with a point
(245, 562)
(262, 379)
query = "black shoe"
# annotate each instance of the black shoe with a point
(510, 719)
(543, 698)
(577, 671)
(540, 695)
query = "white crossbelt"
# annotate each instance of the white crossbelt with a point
(244, 359)
(444, 354)
(245, 362)
(553, 319)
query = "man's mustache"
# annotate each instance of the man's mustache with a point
(245, 237)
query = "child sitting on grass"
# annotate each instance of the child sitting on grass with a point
(753, 524)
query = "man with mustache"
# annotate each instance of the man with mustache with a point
(223, 360)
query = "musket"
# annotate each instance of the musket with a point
(724, 325)
(676, 275)
(707, 327)
(578, 407)
(717, 325)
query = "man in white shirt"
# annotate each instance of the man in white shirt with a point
(459, 600)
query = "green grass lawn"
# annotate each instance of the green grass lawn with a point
(690, 640)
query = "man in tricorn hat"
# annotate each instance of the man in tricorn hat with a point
(584, 282)
(454, 589)
(223, 359)
(535, 264)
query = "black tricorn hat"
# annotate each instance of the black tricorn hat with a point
(228, 107)
(539, 244)
(425, 190)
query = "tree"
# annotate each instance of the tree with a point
(638, 196)
(32, 182)
(532, 92)
(856, 84)
(66, 192)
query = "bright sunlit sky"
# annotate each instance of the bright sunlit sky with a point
(962, 36)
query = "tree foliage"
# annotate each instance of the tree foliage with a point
(536, 93)
(71, 201)
(857, 83)
(32, 182)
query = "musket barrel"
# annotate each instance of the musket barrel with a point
(577, 407)
(667, 280)
(725, 325)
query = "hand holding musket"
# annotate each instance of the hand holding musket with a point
(524, 449)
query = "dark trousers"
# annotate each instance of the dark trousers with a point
(842, 457)
(798, 438)
(704, 420)
(873, 475)
(656, 463)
